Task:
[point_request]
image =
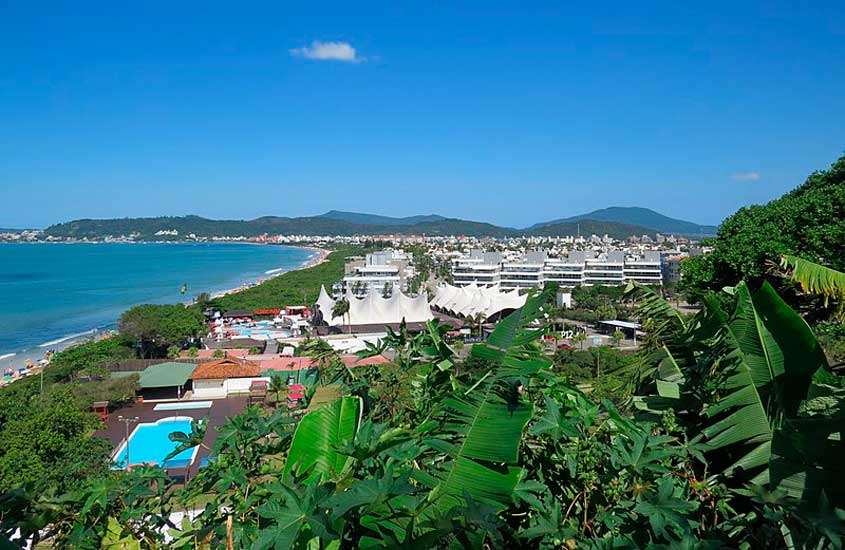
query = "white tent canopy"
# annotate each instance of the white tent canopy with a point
(468, 301)
(374, 309)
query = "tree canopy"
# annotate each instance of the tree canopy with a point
(155, 327)
(809, 222)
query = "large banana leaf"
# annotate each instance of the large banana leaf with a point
(487, 430)
(651, 305)
(318, 437)
(815, 278)
(807, 459)
(512, 330)
(482, 428)
(769, 355)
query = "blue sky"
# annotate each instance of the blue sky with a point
(505, 112)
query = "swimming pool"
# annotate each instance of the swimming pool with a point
(149, 444)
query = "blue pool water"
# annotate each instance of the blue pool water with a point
(149, 444)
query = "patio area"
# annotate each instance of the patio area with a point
(217, 414)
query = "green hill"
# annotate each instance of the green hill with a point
(375, 219)
(643, 217)
(590, 227)
(331, 223)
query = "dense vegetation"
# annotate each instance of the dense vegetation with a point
(808, 222)
(351, 224)
(299, 287)
(154, 328)
(732, 439)
(45, 426)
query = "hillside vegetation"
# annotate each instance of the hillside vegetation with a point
(809, 222)
(350, 223)
(298, 287)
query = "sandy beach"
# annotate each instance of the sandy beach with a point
(33, 356)
(319, 256)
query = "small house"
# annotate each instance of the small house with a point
(224, 377)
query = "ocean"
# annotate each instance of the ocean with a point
(51, 294)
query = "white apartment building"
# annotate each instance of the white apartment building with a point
(578, 268)
(387, 268)
(481, 268)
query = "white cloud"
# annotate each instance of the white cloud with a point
(328, 51)
(746, 176)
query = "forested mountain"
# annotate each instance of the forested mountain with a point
(337, 223)
(588, 227)
(375, 219)
(643, 217)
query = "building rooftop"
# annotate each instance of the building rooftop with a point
(166, 375)
(226, 368)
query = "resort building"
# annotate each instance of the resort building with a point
(223, 377)
(383, 272)
(479, 267)
(577, 268)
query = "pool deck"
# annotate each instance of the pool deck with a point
(221, 409)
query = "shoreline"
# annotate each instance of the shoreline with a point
(318, 256)
(35, 355)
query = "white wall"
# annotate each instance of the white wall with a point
(209, 388)
(238, 385)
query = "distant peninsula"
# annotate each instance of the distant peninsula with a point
(616, 222)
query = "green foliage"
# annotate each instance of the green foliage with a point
(116, 391)
(314, 449)
(156, 329)
(46, 444)
(502, 451)
(808, 222)
(66, 363)
(301, 286)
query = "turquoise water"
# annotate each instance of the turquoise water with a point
(150, 443)
(50, 292)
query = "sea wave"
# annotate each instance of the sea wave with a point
(7, 355)
(271, 271)
(66, 338)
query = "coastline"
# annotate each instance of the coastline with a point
(318, 256)
(36, 355)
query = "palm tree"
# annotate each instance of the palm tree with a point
(278, 386)
(387, 290)
(341, 309)
(199, 427)
(617, 337)
(478, 319)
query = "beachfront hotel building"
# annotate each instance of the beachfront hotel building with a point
(578, 268)
(375, 272)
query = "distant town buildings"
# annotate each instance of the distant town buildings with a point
(579, 267)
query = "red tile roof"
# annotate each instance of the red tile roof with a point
(209, 353)
(226, 368)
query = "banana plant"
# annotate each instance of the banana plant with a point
(199, 427)
(482, 424)
(817, 279)
(314, 449)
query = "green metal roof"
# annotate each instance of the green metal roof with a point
(165, 375)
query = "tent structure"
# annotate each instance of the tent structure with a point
(374, 309)
(469, 301)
